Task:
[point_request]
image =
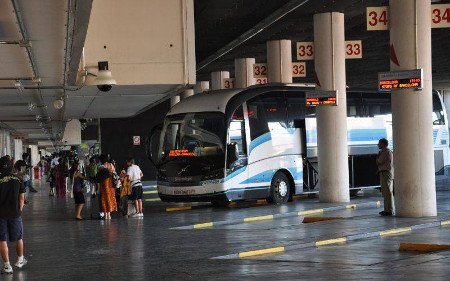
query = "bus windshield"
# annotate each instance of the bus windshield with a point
(193, 135)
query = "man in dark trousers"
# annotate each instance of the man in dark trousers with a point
(385, 163)
(12, 200)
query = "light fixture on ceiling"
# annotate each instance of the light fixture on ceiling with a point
(19, 86)
(58, 103)
(31, 106)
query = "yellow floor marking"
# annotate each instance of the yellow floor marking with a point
(176, 209)
(261, 201)
(302, 196)
(203, 225)
(310, 212)
(260, 218)
(151, 192)
(395, 231)
(331, 241)
(261, 252)
(425, 248)
(153, 200)
(445, 222)
(351, 206)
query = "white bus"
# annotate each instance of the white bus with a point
(232, 145)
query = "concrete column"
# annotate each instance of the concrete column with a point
(187, 93)
(279, 61)
(243, 73)
(329, 38)
(217, 79)
(410, 32)
(201, 86)
(174, 100)
(18, 149)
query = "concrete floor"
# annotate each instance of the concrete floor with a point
(60, 248)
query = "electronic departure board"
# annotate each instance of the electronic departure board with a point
(317, 98)
(399, 80)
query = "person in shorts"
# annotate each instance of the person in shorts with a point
(12, 200)
(135, 175)
(77, 190)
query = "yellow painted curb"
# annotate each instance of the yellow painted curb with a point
(423, 247)
(260, 218)
(203, 225)
(261, 252)
(297, 197)
(310, 212)
(153, 200)
(445, 222)
(351, 206)
(176, 209)
(331, 241)
(151, 192)
(261, 201)
(395, 231)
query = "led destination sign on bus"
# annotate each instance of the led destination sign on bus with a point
(317, 98)
(398, 80)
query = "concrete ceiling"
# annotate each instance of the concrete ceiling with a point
(56, 30)
(220, 22)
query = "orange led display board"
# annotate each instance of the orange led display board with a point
(180, 153)
(318, 98)
(398, 80)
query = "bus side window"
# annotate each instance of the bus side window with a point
(236, 133)
(266, 112)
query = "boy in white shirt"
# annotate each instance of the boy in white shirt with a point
(135, 174)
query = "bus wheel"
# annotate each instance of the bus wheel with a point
(280, 189)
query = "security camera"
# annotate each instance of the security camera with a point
(104, 79)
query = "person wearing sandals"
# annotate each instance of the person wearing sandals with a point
(78, 195)
(105, 178)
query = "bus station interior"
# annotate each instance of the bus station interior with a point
(241, 178)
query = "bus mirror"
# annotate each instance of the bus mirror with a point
(232, 153)
(152, 145)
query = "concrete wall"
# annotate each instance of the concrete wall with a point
(117, 137)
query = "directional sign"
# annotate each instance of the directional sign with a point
(317, 98)
(228, 83)
(398, 80)
(298, 69)
(378, 17)
(260, 70)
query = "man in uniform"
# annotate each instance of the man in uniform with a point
(386, 171)
(12, 199)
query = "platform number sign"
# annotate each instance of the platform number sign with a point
(378, 17)
(260, 70)
(353, 49)
(440, 16)
(298, 69)
(228, 83)
(305, 51)
(261, 81)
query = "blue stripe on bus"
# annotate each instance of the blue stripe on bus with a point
(267, 176)
(235, 173)
(260, 140)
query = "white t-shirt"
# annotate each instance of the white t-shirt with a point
(134, 172)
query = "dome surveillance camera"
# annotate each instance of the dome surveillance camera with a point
(104, 79)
